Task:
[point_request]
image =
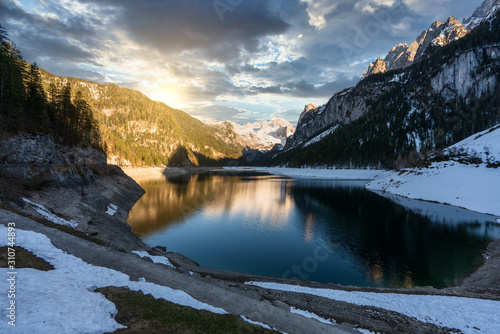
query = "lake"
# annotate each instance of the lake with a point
(316, 230)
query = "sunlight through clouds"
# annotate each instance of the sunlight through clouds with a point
(282, 53)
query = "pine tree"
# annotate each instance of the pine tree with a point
(36, 101)
(12, 89)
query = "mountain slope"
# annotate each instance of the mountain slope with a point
(139, 131)
(448, 95)
(465, 175)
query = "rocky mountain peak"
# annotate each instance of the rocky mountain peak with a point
(376, 67)
(309, 107)
(452, 31)
(403, 55)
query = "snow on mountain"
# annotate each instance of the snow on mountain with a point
(482, 13)
(321, 136)
(466, 175)
(261, 136)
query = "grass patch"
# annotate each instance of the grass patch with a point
(144, 314)
(24, 259)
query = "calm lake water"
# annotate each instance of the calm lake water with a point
(315, 230)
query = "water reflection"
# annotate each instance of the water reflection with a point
(273, 226)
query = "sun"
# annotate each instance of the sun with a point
(168, 94)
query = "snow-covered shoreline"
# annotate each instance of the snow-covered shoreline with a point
(318, 173)
(469, 178)
(469, 315)
(472, 186)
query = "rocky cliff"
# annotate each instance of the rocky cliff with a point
(343, 108)
(73, 183)
(484, 12)
(379, 66)
(470, 74)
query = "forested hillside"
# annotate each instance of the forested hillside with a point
(129, 126)
(144, 132)
(26, 107)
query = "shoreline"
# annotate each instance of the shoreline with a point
(214, 287)
(482, 279)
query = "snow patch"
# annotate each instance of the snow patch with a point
(156, 259)
(465, 314)
(45, 213)
(365, 331)
(259, 324)
(311, 316)
(321, 136)
(255, 322)
(112, 209)
(48, 298)
(498, 220)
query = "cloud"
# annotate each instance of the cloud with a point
(173, 27)
(251, 59)
(317, 10)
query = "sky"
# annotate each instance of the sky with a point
(237, 60)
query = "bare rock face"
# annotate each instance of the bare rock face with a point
(377, 67)
(403, 55)
(397, 57)
(28, 149)
(308, 108)
(343, 108)
(74, 183)
(467, 76)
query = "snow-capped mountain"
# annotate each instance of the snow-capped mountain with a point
(257, 136)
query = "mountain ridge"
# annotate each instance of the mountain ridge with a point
(401, 114)
(256, 136)
(403, 55)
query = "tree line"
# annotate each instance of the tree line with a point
(25, 106)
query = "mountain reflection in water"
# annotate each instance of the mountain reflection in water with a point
(317, 230)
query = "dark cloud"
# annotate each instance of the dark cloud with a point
(173, 26)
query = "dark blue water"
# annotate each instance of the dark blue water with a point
(315, 230)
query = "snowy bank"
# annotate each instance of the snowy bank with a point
(327, 174)
(469, 315)
(39, 292)
(467, 179)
